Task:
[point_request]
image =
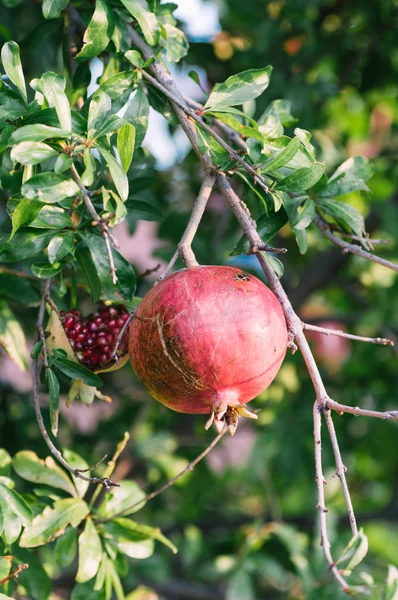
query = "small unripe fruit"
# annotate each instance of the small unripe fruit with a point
(208, 340)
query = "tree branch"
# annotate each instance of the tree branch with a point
(36, 398)
(349, 336)
(320, 482)
(353, 248)
(388, 415)
(185, 246)
(15, 573)
(96, 221)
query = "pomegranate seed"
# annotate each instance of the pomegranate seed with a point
(113, 311)
(104, 358)
(78, 346)
(90, 341)
(101, 341)
(105, 315)
(101, 334)
(112, 323)
(120, 322)
(88, 362)
(75, 312)
(69, 322)
(71, 334)
(109, 338)
(61, 313)
(124, 316)
(98, 321)
(93, 326)
(80, 337)
(84, 331)
(88, 353)
(79, 325)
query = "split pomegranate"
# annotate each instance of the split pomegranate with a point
(208, 340)
(93, 338)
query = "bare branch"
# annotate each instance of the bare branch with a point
(353, 248)
(387, 415)
(190, 466)
(320, 482)
(97, 221)
(185, 246)
(341, 470)
(121, 334)
(349, 336)
(15, 573)
(36, 399)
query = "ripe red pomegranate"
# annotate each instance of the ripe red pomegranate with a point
(208, 340)
(93, 338)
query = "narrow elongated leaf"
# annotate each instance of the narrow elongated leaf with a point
(53, 8)
(90, 552)
(233, 122)
(349, 177)
(46, 270)
(49, 187)
(142, 211)
(37, 133)
(25, 213)
(175, 42)
(5, 567)
(302, 179)
(52, 217)
(128, 497)
(16, 504)
(32, 153)
(129, 530)
(11, 522)
(107, 125)
(87, 177)
(137, 114)
(276, 116)
(75, 370)
(100, 105)
(126, 282)
(354, 552)
(60, 246)
(24, 244)
(146, 19)
(282, 158)
(28, 466)
(129, 542)
(5, 463)
(344, 214)
(99, 31)
(118, 175)
(77, 462)
(239, 88)
(52, 87)
(125, 145)
(66, 547)
(12, 66)
(51, 523)
(53, 388)
(12, 337)
(83, 256)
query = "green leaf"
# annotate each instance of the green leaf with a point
(391, 592)
(99, 31)
(305, 137)
(12, 66)
(275, 263)
(100, 105)
(232, 122)
(77, 462)
(32, 153)
(11, 522)
(208, 145)
(74, 370)
(28, 466)
(267, 227)
(239, 88)
(60, 246)
(344, 214)
(125, 145)
(118, 175)
(37, 133)
(354, 552)
(281, 159)
(129, 537)
(87, 177)
(12, 337)
(240, 586)
(146, 19)
(35, 352)
(137, 114)
(11, 107)
(35, 579)
(24, 214)
(66, 547)
(90, 552)
(126, 284)
(16, 504)
(25, 244)
(52, 87)
(275, 118)
(4, 597)
(5, 567)
(302, 179)
(117, 85)
(49, 187)
(83, 256)
(51, 523)
(142, 211)
(53, 388)
(107, 125)
(175, 42)
(128, 497)
(45, 270)
(5, 463)
(120, 211)
(349, 177)
(86, 591)
(53, 8)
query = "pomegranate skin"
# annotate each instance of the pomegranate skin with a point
(207, 337)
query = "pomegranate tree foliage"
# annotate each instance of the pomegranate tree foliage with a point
(65, 153)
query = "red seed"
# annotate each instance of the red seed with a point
(80, 337)
(120, 322)
(88, 352)
(90, 341)
(69, 322)
(98, 321)
(101, 341)
(113, 311)
(78, 346)
(71, 334)
(61, 313)
(93, 326)
(124, 316)
(111, 323)
(105, 315)
(103, 358)
(79, 326)
(75, 312)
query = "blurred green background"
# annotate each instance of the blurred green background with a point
(245, 520)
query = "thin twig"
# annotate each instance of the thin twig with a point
(266, 248)
(97, 221)
(15, 573)
(185, 246)
(353, 248)
(36, 400)
(349, 336)
(370, 241)
(190, 466)
(121, 334)
(387, 415)
(320, 482)
(148, 272)
(341, 471)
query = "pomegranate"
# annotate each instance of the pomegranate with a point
(208, 340)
